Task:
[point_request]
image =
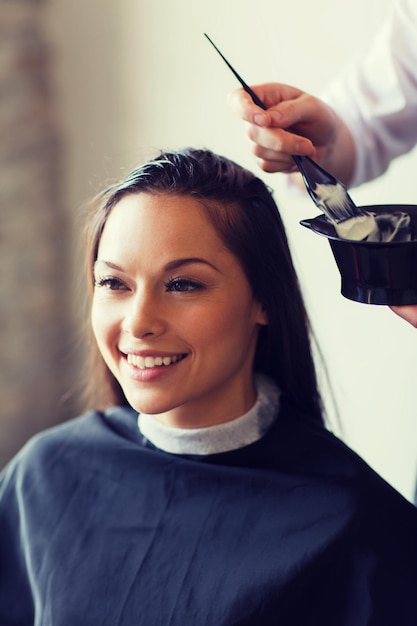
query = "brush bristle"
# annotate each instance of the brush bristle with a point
(336, 201)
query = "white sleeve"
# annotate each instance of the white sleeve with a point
(377, 96)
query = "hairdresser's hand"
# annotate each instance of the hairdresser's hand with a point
(294, 123)
(408, 313)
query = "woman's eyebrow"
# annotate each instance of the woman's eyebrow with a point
(113, 266)
(177, 263)
(170, 266)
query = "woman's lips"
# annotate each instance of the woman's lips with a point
(146, 369)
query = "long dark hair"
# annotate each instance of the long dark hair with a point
(245, 216)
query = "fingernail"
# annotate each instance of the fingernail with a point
(302, 147)
(260, 119)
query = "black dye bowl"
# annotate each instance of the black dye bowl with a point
(374, 272)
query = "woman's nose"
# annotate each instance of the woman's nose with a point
(144, 316)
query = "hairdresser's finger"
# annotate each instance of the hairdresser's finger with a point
(244, 107)
(408, 313)
(277, 142)
(273, 95)
(272, 166)
(271, 160)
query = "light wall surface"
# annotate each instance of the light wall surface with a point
(136, 76)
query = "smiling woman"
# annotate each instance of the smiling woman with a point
(207, 489)
(179, 298)
(175, 208)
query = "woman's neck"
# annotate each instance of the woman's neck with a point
(230, 435)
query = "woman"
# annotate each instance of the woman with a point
(207, 490)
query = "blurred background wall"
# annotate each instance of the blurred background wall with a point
(34, 252)
(90, 88)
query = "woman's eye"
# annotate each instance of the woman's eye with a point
(183, 284)
(110, 283)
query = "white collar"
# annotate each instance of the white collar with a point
(232, 435)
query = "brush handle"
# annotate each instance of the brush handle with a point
(254, 97)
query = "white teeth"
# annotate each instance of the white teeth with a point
(151, 361)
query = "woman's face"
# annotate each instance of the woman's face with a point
(173, 313)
